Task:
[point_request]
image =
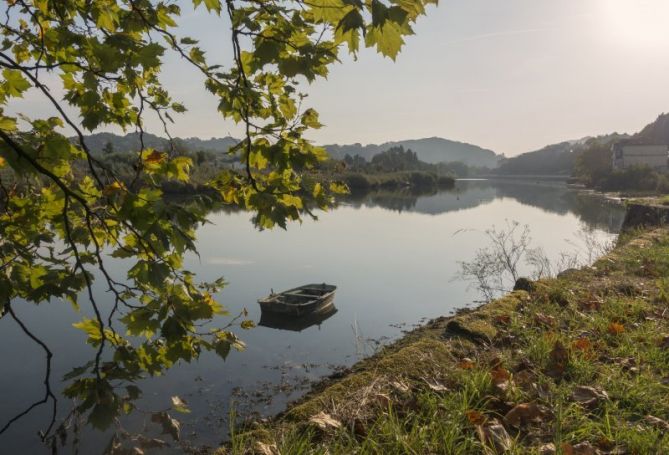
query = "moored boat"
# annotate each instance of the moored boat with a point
(300, 301)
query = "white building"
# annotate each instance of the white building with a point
(627, 155)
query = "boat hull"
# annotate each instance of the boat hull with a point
(301, 301)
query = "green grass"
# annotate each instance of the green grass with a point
(620, 306)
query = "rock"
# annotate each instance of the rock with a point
(494, 436)
(524, 284)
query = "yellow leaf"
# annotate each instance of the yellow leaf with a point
(113, 188)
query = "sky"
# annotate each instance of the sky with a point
(512, 76)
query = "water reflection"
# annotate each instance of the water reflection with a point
(548, 195)
(296, 324)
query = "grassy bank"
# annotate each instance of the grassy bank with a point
(577, 365)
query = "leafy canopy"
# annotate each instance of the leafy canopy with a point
(63, 210)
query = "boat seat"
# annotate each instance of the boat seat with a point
(300, 294)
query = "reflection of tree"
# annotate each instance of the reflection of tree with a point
(550, 196)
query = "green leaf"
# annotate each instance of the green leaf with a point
(14, 84)
(248, 324)
(92, 329)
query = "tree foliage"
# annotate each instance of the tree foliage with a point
(63, 210)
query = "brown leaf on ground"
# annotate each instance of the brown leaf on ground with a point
(590, 305)
(582, 344)
(466, 364)
(588, 396)
(503, 319)
(545, 320)
(325, 421)
(582, 448)
(475, 417)
(558, 360)
(616, 328)
(501, 378)
(266, 449)
(657, 422)
(526, 413)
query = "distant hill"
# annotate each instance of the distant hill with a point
(429, 150)
(656, 132)
(130, 142)
(555, 159)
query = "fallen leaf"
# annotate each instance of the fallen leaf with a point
(466, 364)
(558, 360)
(582, 344)
(616, 328)
(266, 449)
(494, 436)
(325, 421)
(475, 417)
(547, 449)
(503, 319)
(588, 396)
(542, 319)
(501, 378)
(526, 413)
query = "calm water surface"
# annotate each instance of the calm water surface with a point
(393, 256)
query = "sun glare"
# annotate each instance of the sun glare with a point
(635, 23)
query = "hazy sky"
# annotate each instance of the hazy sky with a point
(511, 75)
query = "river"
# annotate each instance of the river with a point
(393, 256)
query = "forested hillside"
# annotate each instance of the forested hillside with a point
(431, 150)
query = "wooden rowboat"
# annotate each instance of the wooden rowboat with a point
(300, 301)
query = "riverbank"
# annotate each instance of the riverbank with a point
(359, 182)
(577, 364)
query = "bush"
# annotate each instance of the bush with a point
(635, 178)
